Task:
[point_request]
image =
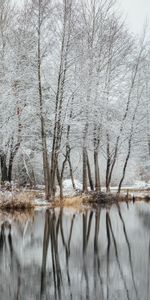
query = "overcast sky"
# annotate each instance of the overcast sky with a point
(136, 11)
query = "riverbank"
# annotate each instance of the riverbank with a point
(27, 200)
(21, 200)
(94, 199)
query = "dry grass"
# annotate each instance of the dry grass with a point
(69, 202)
(23, 200)
(18, 201)
(94, 200)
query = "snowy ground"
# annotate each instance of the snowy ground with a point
(137, 186)
(68, 189)
(140, 188)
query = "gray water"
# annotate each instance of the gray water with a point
(97, 254)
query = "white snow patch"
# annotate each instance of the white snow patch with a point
(40, 202)
(142, 184)
(68, 189)
(40, 186)
(6, 196)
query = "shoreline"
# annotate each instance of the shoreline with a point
(30, 201)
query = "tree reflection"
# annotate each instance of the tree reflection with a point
(9, 259)
(109, 225)
(45, 250)
(53, 230)
(97, 270)
(129, 250)
(148, 273)
(108, 253)
(51, 234)
(55, 235)
(82, 257)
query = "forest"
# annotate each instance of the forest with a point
(74, 151)
(74, 95)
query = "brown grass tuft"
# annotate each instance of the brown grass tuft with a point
(72, 202)
(94, 199)
(18, 201)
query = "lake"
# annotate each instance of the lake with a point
(64, 254)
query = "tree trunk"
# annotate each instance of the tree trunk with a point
(71, 173)
(58, 126)
(96, 168)
(108, 165)
(133, 80)
(85, 189)
(60, 182)
(89, 174)
(129, 147)
(4, 176)
(124, 170)
(43, 134)
(10, 169)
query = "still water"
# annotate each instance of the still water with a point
(62, 254)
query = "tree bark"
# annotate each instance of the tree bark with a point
(108, 165)
(96, 168)
(89, 174)
(43, 133)
(85, 188)
(4, 176)
(58, 126)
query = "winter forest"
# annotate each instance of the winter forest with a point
(74, 151)
(74, 95)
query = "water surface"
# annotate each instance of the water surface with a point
(61, 254)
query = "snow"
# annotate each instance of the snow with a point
(138, 185)
(40, 186)
(6, 196)
(139, 188)
(142, 184)
(40, 202)
(68, 188)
